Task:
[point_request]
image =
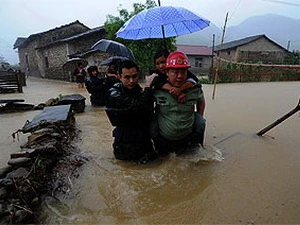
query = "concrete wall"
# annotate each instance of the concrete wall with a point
(206, 63)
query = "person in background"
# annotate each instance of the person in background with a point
(98, 86)
(80, 75)
(130, 109)
(112, 70)
(95, 86)
(112, 76)
(176, 126)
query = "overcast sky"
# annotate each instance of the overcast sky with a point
(20, 18)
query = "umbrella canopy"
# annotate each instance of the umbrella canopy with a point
(118, 49)
(161, 22)
(113, 60)
(72, 64)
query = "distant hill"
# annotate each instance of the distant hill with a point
(280, 29)
(204, 37)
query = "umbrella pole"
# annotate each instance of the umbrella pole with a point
(164, 38)
(163, 32)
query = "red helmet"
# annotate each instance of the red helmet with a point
(177, 60)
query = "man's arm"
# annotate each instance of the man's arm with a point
(201, 106)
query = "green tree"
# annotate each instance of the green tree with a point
(143, 50)
(292, 58)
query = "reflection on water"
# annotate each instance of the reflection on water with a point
(122, 193)
(238, 178)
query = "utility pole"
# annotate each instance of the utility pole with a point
(288, 45)
(212, 52)
(219, 60)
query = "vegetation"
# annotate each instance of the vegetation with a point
(143, 50)
(233, 72)
(292, 58)
(4, 64)
(244, 73)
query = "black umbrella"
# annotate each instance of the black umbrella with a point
(113, 60)
(72, 64)
(116, 48)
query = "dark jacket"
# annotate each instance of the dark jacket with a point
(132, 107)
(80, 79)
(98, 88)
(130, 110)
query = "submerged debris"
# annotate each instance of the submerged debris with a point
(76, 101)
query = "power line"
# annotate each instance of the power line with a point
(284, 3)
(237, 5)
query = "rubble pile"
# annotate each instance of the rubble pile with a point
(32, 173)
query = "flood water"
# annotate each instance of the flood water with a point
(257, 180)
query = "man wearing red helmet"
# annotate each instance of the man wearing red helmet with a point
(177, 126)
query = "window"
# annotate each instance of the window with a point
(198, 62)
(46, 62)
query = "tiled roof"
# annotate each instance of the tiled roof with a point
(97, 29)
(34, 36)
(19, 41)
(91, 31)
(194, 50)
(243, 41)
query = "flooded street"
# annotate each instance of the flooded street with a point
(257, 181)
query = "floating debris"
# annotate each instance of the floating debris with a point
(76, 101)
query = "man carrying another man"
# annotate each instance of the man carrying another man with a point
(176, 126)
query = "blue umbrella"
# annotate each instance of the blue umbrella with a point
(162, 22)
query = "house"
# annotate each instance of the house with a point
(43, 54)
(200, 57)
(253, 49)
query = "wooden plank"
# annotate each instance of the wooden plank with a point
(11, 100)
(51, 114)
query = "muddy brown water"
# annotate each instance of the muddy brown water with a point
(257, 181)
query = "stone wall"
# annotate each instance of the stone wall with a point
(32, 61)
(56, 56)
(259, 50)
